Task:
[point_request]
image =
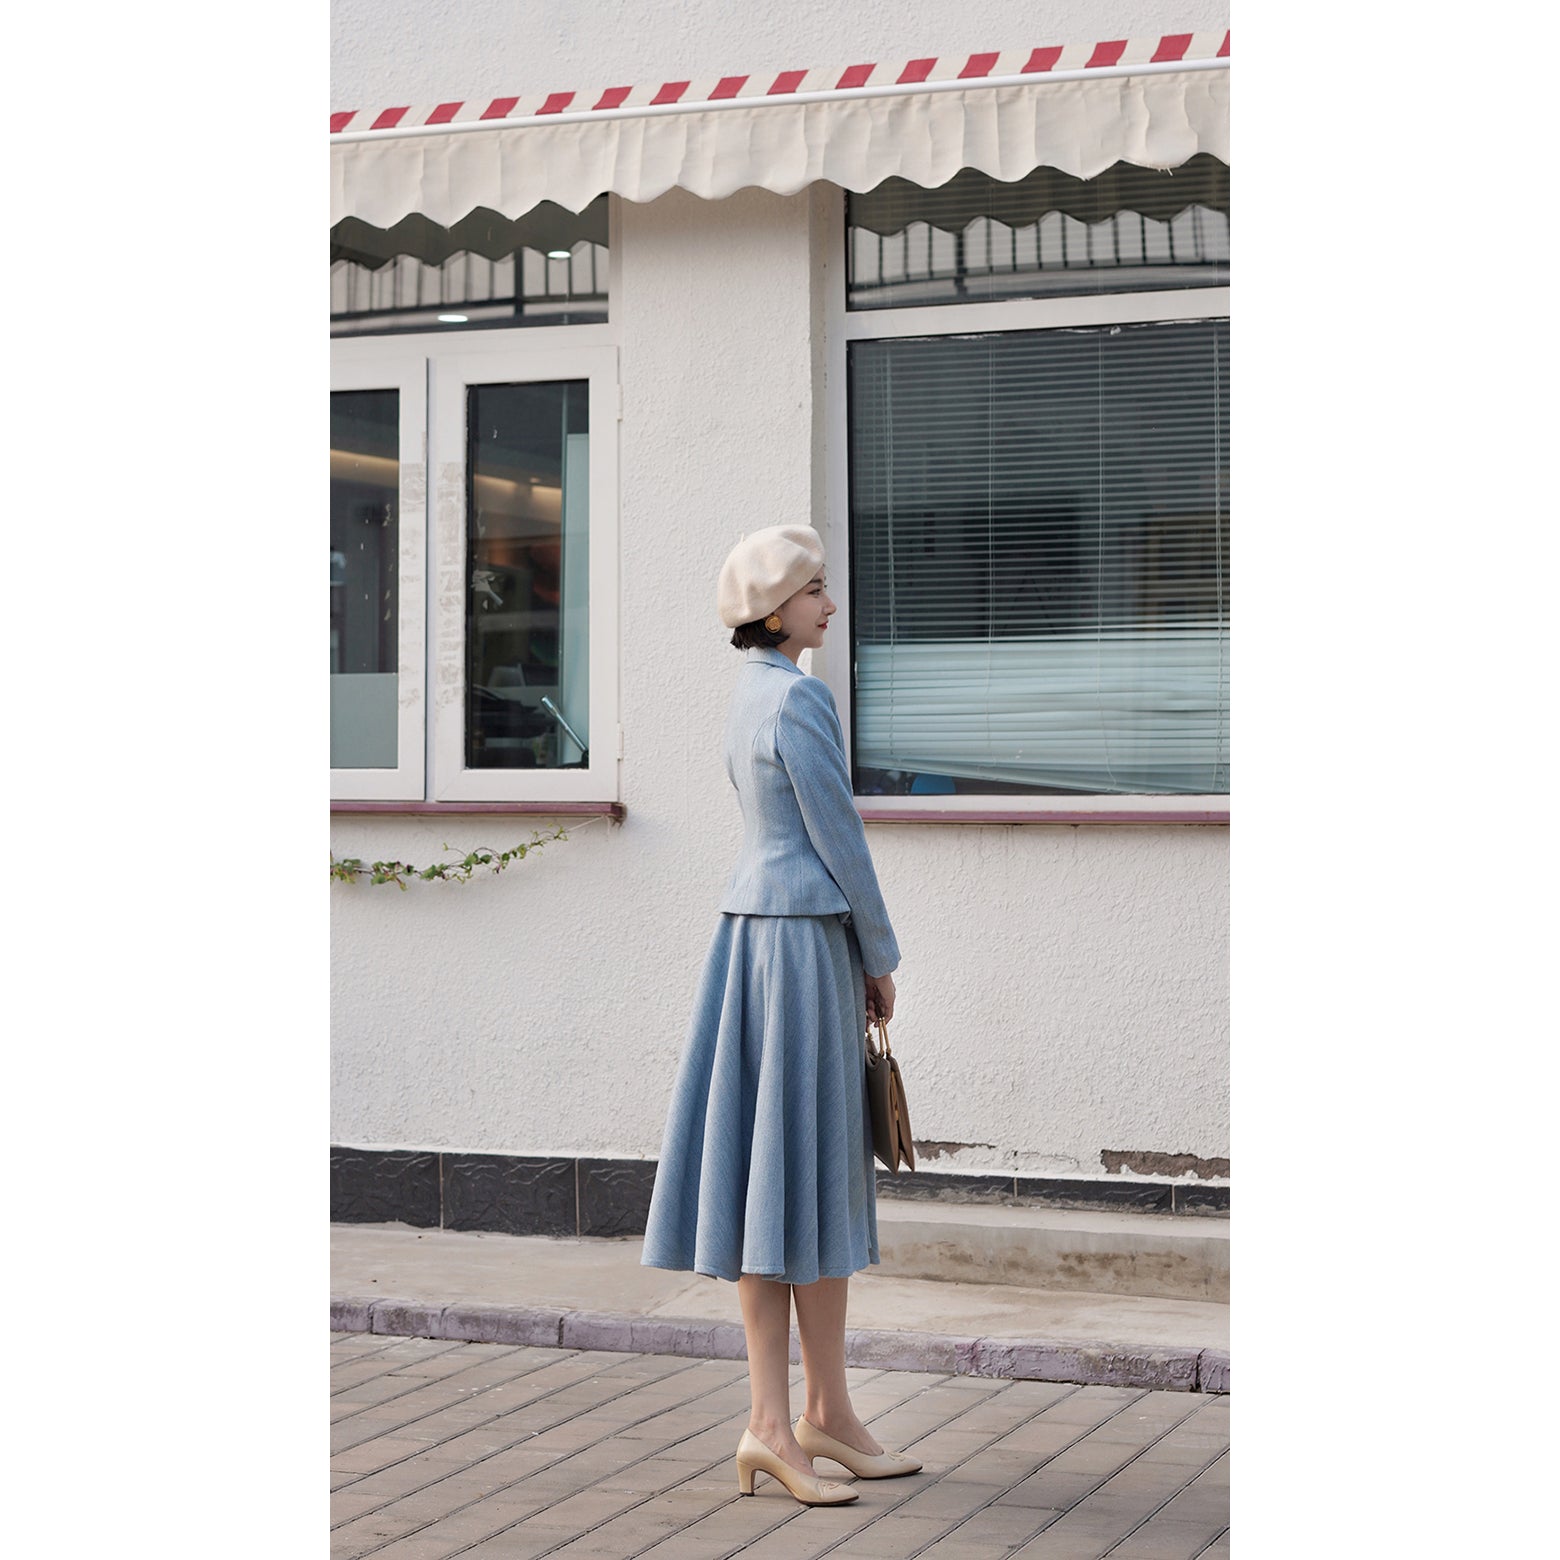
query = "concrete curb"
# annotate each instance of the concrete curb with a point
(1018, 1359)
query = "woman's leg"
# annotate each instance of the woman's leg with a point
(820, 1318)
(766, 1318)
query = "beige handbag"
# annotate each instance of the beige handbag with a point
(886, 1099)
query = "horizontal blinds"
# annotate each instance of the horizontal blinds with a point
(1040, 539)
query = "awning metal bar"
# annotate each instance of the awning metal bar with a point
(890, 89)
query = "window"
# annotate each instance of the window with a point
(1047, 235)
(377, 526)
(547, 267)
(473, 558)
(1037, 486)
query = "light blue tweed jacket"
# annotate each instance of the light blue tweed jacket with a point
(804, 847)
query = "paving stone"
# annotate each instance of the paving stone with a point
(544, 1467)
(890, 1537)
(439, 1406)
(1163, 1538)
(389, 1387)
(998, 1465)
(955, 1547)
(370, 1533)
(396, 1348)
(491, 1531)
(349, 1345)
(606, 1456)
(1080, 1542)
(1039, 1439)
(372, 1456)
(1217, 1474)
(353, 1373)
(661, 1522)
(1114, 1515)
(993, 1530)
(941, 1450)
(801, 1536)
(378, 1389)
(736, 1523)
(1051, 1489)
(1097, 1459)
(951, 1497)
(1093, 1405)
(1105, 1526)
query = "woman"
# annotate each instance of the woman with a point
(766, 1176)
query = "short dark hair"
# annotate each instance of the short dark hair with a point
(747, 635)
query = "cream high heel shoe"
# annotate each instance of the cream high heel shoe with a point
(754, 1457)
(865, 1465)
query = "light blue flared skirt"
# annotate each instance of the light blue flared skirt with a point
(766, 1162)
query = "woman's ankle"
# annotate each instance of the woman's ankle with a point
(770, 1430)
(822, 1415)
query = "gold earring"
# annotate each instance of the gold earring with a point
(772, 622)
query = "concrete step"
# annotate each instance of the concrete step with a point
(1151, 1255)
(594, 1293)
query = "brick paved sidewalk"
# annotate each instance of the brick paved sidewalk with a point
(509, 1453)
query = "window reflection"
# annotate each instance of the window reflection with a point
(527, 641)
(548, 266)
(978, 239)
(364, 538)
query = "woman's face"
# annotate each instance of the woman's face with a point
(805, 616)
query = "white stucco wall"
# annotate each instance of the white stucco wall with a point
(1063, 989)
(421, 51)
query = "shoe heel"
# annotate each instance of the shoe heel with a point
(744, 1477)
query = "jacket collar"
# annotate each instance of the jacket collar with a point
(774, 657)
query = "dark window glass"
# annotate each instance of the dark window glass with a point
(364, 526)
(527, 599)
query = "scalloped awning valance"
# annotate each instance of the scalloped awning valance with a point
(1154, 103)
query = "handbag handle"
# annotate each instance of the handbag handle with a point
(884, 1048)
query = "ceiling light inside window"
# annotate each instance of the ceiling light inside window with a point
(453, 319)
(558, 254)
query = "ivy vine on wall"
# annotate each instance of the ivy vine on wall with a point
(351, 869)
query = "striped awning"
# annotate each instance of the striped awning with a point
(1081, 108)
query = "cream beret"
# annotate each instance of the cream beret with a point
(764, 569)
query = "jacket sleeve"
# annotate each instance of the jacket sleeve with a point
(811, 745)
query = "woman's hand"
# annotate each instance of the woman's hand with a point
(880, 998)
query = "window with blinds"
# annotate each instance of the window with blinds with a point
(1040, 545)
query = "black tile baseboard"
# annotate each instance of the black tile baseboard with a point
(517, 1194)
(509, 1195)
(368, 1186)
(615, 1195)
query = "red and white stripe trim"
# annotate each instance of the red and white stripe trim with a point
(1113, 56)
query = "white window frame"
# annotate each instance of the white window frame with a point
(521, 362)
(843, 326)
(402, 371)
(441, 364)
